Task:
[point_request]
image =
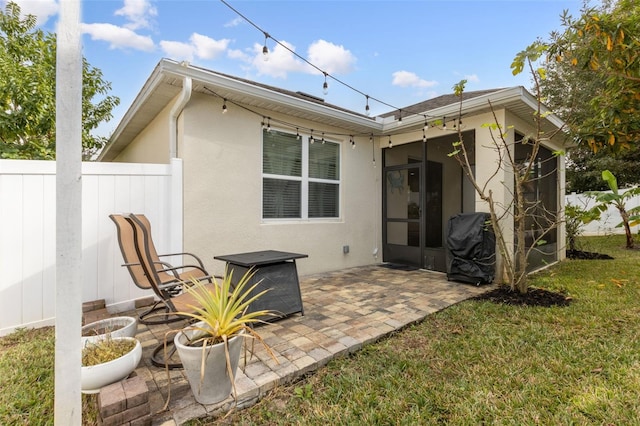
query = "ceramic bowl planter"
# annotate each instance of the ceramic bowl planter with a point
(94, 377)
(109, 327)
(211, 384)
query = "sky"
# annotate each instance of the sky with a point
(398, 52)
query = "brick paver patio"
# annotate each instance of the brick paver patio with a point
(343, 310)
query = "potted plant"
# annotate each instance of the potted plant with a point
(210, 348)
(109, 327)
(107, 361)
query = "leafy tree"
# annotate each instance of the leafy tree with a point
(583, 171)
(596, 59)
(619, 200)
(532, 220)
(569, 90)
(27, 92)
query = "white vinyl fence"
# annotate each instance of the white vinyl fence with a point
(28, 233)
(608, 220)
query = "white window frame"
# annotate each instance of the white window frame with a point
(304, 179)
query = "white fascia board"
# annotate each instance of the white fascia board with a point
(469, 106)
(532, 102)
(284, 99)
(147, 89)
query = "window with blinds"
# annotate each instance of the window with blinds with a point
(300, 180)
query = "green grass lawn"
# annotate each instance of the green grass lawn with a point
(473, 363)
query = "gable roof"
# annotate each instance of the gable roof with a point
(167, 79)
(437, 102)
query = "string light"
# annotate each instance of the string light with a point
(325, 86)
(399, 116)
(266, 125)
(265, 49)
(224, 106)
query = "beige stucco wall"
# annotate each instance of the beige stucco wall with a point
(152, 144)
(222, 156)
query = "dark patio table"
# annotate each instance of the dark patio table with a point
(276, 271)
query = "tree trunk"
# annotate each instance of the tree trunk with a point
(627, 228)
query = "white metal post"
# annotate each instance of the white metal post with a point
(68, 358)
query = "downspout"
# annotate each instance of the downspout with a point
(176, 212)
(176, 110)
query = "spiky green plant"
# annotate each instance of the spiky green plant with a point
(221, 310)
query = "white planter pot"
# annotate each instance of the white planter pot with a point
(116, 326)
(94, 377)
(215, 385)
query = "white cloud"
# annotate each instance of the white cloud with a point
(238, 54)
(178, 50)
(234, 23)
(472, 78)
(410, 79)
(206, 47)
(41, 9)
(139, 13)
(118, 37)
(280, 61)
(330, 57)
(199, 46)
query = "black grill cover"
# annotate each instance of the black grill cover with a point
(471, 248)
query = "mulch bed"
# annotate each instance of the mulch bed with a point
(586, 255)
(533, 297)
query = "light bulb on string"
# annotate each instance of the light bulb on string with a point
(424, 136)
(311, 140)
(297, 134)
(224, 106)
(325, 86)
(444, 123)
(353, 142)
(367, 111)
(390, 143)
(268, 124)
(323, 137)
(426, 123)
(265, 49)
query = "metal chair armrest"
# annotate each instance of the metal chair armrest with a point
(185, 254)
